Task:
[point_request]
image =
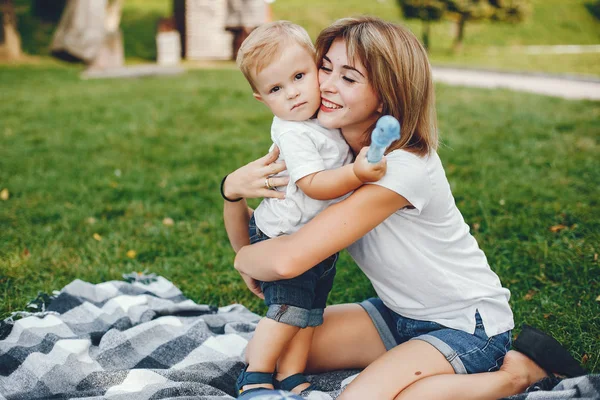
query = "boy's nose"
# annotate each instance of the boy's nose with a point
(292, 93)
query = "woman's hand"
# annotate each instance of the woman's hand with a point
(250, 181)
(253, 285)
(367, 172)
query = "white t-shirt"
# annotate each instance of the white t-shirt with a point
(306, 147)
(423, 262)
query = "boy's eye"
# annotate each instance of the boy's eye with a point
(299, 76)
(275, 89)
(348, 79)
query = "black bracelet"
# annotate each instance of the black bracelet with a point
(223, 194)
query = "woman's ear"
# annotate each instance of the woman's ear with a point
(380, 107)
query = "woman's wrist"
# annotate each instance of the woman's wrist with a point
(228, 197)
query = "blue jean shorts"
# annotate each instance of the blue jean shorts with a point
(467, 353)
(299, 301)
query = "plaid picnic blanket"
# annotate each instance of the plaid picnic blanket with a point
(140, 340)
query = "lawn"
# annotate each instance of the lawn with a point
(94, 170)
(487, 45)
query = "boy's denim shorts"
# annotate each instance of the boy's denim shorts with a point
(467, 353)
(299, 301)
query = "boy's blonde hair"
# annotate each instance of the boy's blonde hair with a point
(264, 43)
(399, 72)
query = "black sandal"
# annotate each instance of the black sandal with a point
(547, 352)
(291, 382)
(252, 378)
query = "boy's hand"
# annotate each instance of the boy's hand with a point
(367, 172)
(252, 284)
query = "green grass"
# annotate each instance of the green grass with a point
(115, 158)
(487, 45)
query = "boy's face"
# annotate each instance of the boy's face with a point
(289, 86)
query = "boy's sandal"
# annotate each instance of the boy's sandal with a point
(547, 352)
(252, 378)
(291, 382)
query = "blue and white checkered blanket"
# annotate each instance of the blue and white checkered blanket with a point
(145, 340)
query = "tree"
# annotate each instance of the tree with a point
(89, 31)
(512, 11)
(427, 11)
(463, 11)
(10, 41)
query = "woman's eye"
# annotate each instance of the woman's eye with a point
(274, 89)
(324, 68)
(299, 76)
(348, 79)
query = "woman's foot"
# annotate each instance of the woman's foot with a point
(522, 370)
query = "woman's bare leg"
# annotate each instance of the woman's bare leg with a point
(396, 370)
(346, 339)
(515, 375)
(349, 333)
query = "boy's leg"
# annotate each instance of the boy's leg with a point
(294, 357)
(269, 340)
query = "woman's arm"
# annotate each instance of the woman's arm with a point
(236, 217)
(249, 182)
(332, 230)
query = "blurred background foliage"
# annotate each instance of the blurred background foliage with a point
(486, 42)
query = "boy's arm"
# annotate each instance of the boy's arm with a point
(333, 183)
(330, 183)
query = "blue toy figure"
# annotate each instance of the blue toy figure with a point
(386, 131)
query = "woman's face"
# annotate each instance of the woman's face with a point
(348, 100)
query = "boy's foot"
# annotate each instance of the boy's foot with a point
(246, 388)
(296, 383)
(251, 380)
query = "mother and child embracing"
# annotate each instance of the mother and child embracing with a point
(441, 322)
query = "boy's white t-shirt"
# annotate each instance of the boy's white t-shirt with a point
(423, 262)
(306, 147)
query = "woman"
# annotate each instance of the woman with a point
(442, 319)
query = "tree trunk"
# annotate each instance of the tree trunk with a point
(426, 31)
(460, 33)
(114, 11)
(11, 48)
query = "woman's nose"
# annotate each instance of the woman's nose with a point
(327, 83)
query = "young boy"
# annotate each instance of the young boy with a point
(278, 61)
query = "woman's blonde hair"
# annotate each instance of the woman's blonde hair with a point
(399, 72)
(264, 44)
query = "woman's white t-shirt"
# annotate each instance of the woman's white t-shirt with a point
(423, 262)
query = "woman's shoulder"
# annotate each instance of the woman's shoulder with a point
(402, 157)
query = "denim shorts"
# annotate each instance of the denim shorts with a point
(299, 301)
(467, 353)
